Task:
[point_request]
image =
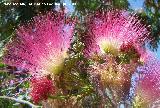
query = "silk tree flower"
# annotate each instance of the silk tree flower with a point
(108, 31)
(41, 88)
(148, 86)
(41, 45)
(147, 57)
(115, 34)
(113, 76)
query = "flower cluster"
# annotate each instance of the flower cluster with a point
(148, 86)
(116, 37)
(41, 88)
(119, 36)
(109, 31)
(41, 45)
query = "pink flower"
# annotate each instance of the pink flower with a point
(41, 88)
(108, 31)
(148, 87)
(41, 45)
(147, 57)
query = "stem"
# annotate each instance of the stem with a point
(20, 101)
(27, 79)
(113, 96)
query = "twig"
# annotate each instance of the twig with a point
(18, 85)
(21, 101)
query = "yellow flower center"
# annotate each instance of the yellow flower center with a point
(109, 46)
(54, 64)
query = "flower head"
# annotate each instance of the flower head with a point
(41, 88)
(42, 44)
(148, 87)
(120, 37)
(108, 31)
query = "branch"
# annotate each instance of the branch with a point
(20, 101)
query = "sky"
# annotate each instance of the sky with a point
(157, 53)
(136, 4)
